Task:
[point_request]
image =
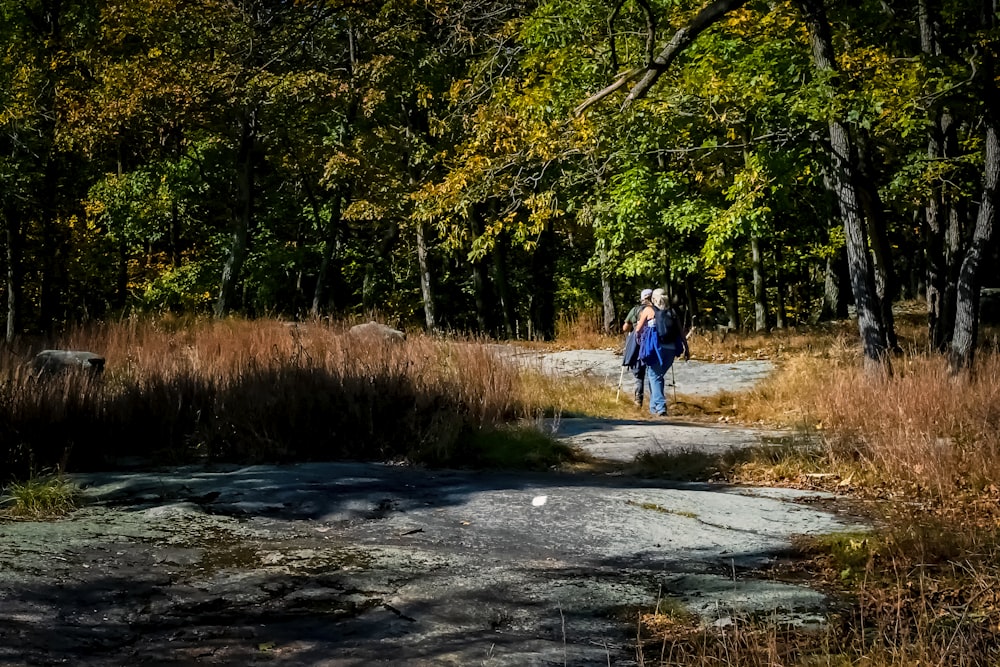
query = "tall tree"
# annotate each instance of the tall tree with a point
(963, 345)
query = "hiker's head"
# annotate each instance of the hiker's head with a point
(659, 298)
(645, 295)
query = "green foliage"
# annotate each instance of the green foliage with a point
(187, 288)
(848, 554)
(137, 139)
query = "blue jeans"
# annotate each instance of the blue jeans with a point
(656, 374)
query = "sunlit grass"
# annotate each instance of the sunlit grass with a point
(552, 395)
(919, 429)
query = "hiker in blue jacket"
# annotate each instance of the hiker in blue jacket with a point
(658, 349)
(631, 355)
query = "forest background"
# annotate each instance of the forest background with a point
(488, 166)
(431, 161)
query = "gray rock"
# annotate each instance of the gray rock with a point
(374, 330)
(53, 362)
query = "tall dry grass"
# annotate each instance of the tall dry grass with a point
(920, 429)
(250, 391)
(923, 426)
(923, 446)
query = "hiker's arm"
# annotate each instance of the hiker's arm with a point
(626, 327)
(643, 318)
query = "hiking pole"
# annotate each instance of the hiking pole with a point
(673, 382)
(619, 392)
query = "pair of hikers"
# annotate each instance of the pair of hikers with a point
(655, 339)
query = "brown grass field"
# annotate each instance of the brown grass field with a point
(916, 451)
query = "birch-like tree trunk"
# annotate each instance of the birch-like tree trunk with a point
(964, 338)
(844, 177)
(14, 286)
(759, 288)
(426, 286)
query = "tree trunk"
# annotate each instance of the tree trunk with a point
(121, 291)
(689, 316)
(759, 288)
(331, 248)
(607, 300)
(46, 28)
(507, 310)
(543, 310)
(733, 297)
(481, 292)
(937, 324)
(781, 319)
(954, 238)
(834, 303)
(175, 235)
(963, 344)
(843, 176)
(944, 215)
(668, 282)
(480, 288)
(175, 218)
(13, 277)
(426, 287)
(242, 216)
(939, 329)
(886, 285)
(50, 289)
(368, 297)
(320, 299)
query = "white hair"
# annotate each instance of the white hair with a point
(659, 299)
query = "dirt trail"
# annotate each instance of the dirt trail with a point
(361, 564)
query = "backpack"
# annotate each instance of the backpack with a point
(649, 346)
(667, 327)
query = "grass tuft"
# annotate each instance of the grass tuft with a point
(44, 497)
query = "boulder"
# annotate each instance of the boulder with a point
(376, 330)
(53, 362)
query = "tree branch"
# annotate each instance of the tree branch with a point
(650, 30)
(682, 39)
(611, 33)
(622, 79)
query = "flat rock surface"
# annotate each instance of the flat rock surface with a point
(364, 564)
(693, 378)
(622, 439)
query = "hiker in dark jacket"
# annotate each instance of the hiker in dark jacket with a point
(632, 360)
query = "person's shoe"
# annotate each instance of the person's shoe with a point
(661, 415)
(637, 402)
